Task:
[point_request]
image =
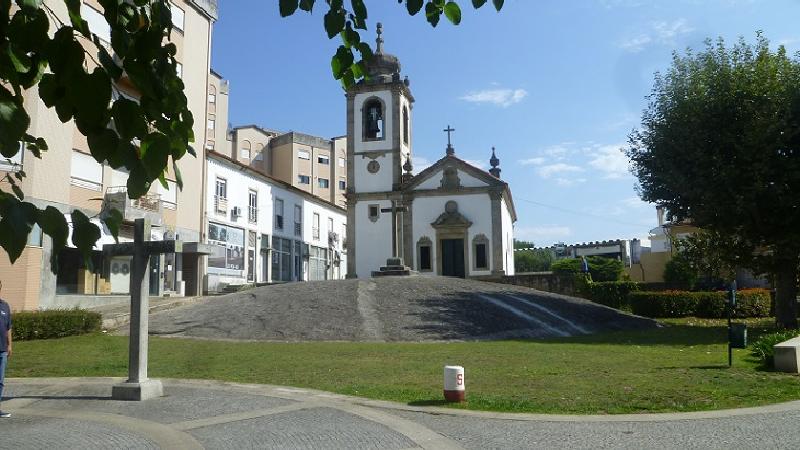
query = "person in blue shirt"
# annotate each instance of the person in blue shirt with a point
(5, 344)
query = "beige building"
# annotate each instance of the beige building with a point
(68, 177)
(312, 164)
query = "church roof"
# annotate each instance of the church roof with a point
(469, 169)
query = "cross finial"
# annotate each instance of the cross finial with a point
(380, 39)
(450, 149)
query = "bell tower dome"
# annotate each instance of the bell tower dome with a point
(378, 125)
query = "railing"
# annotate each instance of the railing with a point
(315, 232)
(220, 204)
(252, 214)
(298, 228)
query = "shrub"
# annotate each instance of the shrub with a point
(601, 268)
(709, 305)
(679, 272)
(54, 323)
(534, 260)
(763, 347)
(611, 293)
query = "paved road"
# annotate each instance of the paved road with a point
(390, 309)
(78, 413)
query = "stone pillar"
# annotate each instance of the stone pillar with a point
(351, 232)
(180, 287)
(138, 387)
(498, 260)
(408, 235)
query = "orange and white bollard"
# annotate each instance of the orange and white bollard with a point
(454, 390)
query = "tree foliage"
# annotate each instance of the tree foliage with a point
(343, 21)
(78, 77)
(720, 146)
(533, 260)
(600, 267)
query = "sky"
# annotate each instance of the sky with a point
(556, 86)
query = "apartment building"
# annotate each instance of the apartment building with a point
(313, 164)
(68, 177)
(263, 230)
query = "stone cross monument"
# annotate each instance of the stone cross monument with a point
(138, 386)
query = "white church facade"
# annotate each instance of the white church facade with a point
(451, 219)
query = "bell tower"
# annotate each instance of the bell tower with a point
(379, 125)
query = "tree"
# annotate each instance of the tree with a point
(343, 22)
(533, 260)
(141, 137)
(600, 267)
(144, 137)
(523, 244)
(720, 145)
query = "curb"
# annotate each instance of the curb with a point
(119, 320)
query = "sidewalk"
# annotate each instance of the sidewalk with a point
(118, 314)
(78, 413)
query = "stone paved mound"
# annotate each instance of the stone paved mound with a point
(391, 309)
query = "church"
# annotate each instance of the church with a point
(451, 219)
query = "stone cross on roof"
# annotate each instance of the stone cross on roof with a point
(379, 41)
(450, 150)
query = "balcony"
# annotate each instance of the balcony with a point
(148, 206)
(221, 205)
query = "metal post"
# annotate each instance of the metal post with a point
(731, 306)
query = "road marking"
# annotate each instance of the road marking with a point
(550, 313)
(521, 314)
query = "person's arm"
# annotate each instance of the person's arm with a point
(8, 338)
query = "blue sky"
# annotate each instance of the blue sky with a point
(555, 86)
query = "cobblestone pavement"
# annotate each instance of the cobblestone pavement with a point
(67, 413)
(390, 309)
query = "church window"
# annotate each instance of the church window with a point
(405, 125)
(278, 207)
(373, 123)
(374, 211)
(425, 261)
(480, 246)
(324, 183)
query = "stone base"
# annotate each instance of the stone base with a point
(137, 391)
(394, 267)
(455, 396)
(787, 356)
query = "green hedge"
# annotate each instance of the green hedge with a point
(710, 305)
(54, 323)
(610, 293)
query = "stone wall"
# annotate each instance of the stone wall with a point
(543, 281)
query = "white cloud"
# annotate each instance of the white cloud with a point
(543, 235)
(555, 169)
(538, 161)
(610, 160)
(497, 97)
(660, 32)
(569, 181)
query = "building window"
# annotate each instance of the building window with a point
(252, 206)
(405, 125)
(221, 196)
(212, 94)
(342, 184)
(424, 255)
(303, 179)
(315, 227)
(169, 195)
(323, 160)
(179, 70)
(35, 236)
(278, 206)
(373, 120)
(244, 150)
(281, 259)
(302, 154)
(209, 145)
(13, 164)
(86, 172)
(373, 211)
(341, 162)
(480, 246)
(210, 123)
(324, 183)
(331, 234)
(298, 220)
(177, 17)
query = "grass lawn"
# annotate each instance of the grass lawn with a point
(681, 367)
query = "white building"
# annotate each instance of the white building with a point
(451, 219)
(263, 230)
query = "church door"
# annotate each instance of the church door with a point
(453, 258)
